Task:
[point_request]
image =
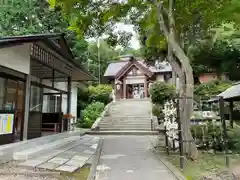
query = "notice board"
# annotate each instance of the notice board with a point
(6, 123)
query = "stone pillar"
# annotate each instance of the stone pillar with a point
(174, 78)
(26, 106)
(124, 89)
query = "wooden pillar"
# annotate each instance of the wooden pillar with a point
(231, 113)
(69, 92)
(69, 95)
(124, 89)
(145, 87)
(60, 111)
(224, 127)
(26, 105)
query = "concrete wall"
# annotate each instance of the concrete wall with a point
(16, 58)
(74, 99)
(207, 77)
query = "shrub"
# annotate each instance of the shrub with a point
(83, 100)
(209, 136)
(100, 93)
(90, 114)
(212, 88)
(157, 111)
(161, 92)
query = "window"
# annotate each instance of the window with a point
(53, 103)
(11, 93)
(35, 100)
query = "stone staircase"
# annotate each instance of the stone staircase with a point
(127, 115)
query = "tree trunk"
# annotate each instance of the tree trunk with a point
(185, 77)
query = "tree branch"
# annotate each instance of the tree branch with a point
(162, 24)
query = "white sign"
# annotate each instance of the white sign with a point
(135, 80)
(6, 123)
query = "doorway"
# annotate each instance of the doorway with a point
(137, 91)
(12, 100)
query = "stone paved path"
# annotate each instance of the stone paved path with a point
(130, 158)
(68, 157)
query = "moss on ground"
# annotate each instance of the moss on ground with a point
(205, 164)
(81, 174)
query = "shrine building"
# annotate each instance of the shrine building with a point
(131, 76)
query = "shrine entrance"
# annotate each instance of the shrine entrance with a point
(135, 91)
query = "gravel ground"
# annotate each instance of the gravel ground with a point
(220, 176)
(10, 171)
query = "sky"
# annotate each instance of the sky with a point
(129, 28)
(134, 43)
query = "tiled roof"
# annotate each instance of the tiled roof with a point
(230, 93)
(114, 67)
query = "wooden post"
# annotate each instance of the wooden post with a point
(26, 105)
(180, 140)
(225, 136)
(60, 111)
(166, 141)
(69, 92)
(231, 113)
(124, 89)
(69, 95)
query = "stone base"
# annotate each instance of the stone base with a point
(235, 172)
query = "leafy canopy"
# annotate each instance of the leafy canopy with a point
(24, 17)
(94, 18)
(207, 90)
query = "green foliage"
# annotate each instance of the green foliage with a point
(100, 93)
(105, 54)
(207, 90)
(24, 17)
(210, 136)
(157, 110)
(193, 19)
(161, 92)
(128, 50)
(90, 114)
(83, 100)
(220, 57)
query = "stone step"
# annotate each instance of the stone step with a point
(7, 151)
(136, 132)
(40, 149)
(124, 124)
(128, 112)
(124, 129)
(70, 157)
(131, 118)
(130, 121)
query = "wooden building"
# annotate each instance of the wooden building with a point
(131, 77)
(38, 84)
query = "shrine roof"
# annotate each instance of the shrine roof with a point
(114, 67)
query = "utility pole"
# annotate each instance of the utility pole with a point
(99, 61)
